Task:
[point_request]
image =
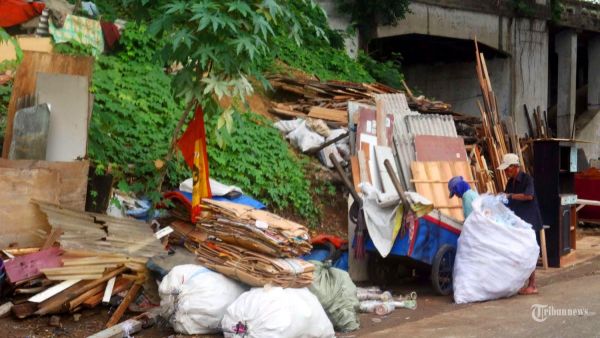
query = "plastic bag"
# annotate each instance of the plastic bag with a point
(285, 126)
(304, 138)
(274, 312)
(497, 252)
(195, 298)
(337, 293)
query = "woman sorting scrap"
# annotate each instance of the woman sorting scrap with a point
(459, 187)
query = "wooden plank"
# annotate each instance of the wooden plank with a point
(74, 270)
(26, 267)
(355, 172)
(19, 219)
(42, 296)
(121, 285)
(108, 290)
(52, 238)
(329, 114)
(365, 173)
(26, 43)
(120, 311)
(26, 77)
(74, 303)
(74, 277)
(56, 303)
(380, 123)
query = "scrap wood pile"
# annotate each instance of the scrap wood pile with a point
(329, 100)
(246, 244)
(499, 136)
(87, 260)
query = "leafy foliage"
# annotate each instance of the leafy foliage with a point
(217, 42)
(258, 159)
(5, 91)
(10, 64)
(368, 14)
(387, 72)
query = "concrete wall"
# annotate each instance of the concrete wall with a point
(340, 22)
(456, 83)
(529, 49)
(590, 132)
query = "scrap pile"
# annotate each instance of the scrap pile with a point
(250, 245)
(499, 136)
(254, 246)
(329, 100)
(53, 280)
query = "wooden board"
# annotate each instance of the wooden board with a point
(29, 266)
(73, 179)
(329, 114)
(68, 96)
(27, 43)
(19, 219)
(431, 181)
(439, 148)
(26, 77)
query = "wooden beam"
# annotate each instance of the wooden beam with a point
(120, 311)
(42, 296)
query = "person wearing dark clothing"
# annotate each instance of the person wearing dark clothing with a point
(520, 193)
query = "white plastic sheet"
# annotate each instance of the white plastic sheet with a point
(497, 252)
(274, 312)
(217, 188)
(194, 298)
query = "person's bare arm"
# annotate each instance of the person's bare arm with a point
(520, 197)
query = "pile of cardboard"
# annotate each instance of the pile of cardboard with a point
(253, 246)
(329, 100)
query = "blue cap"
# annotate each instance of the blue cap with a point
(453, 184)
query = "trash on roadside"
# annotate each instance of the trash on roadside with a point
(274, 312)
(194, 298)
(374, 300)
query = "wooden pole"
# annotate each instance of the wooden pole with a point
(120, 311)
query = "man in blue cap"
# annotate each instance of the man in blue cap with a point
(459, 187)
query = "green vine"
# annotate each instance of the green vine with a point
(257, 159)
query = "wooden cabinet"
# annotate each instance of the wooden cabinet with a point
(554, 167)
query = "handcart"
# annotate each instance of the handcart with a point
(426, 243)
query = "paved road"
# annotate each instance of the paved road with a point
(513, 317)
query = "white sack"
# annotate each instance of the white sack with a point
(274, 312)
(217, 188)
(305, 139)
(285, 126)
(497, 252)
(194, 298)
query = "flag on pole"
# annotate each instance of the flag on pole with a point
(193, 147)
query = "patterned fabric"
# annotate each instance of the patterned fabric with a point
(81, 30)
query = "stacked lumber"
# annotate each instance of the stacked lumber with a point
(254, 229)
(82, 279)
(89, 231)
(329, 100)
(500, 136)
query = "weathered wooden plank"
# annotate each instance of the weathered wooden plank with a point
(329, 114)
(26, 77)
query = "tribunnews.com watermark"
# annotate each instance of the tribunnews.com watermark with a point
(541, 312)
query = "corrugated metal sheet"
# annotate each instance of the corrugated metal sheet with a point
(431, 124)
(404, 150)
(397, 106)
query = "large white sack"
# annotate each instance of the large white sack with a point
(195, 298)
(497, 252)
(274, 312)
(304, 138)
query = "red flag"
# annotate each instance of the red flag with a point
(193, 147)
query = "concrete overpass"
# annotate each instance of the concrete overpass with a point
(532, 60)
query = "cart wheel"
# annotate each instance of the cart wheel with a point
(441, 269)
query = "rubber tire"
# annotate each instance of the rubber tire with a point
(436, 281)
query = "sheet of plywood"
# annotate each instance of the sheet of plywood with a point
(439, 148)
(26, 43)
(19, 219)
(329, 114)
(26, 77)
(68, 96)
(73, 178)
(431, 181)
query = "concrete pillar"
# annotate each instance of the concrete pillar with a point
(593, 94)
(566, 48)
